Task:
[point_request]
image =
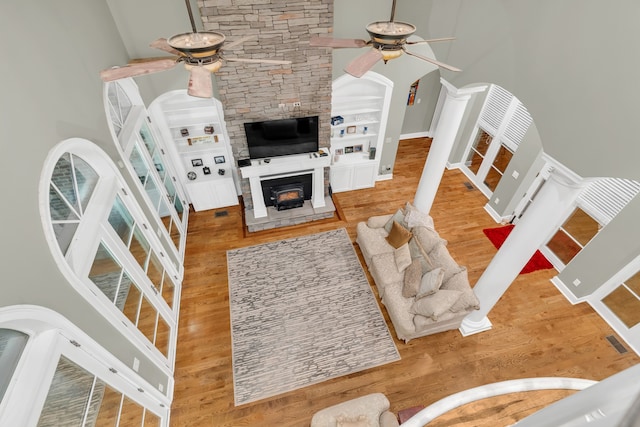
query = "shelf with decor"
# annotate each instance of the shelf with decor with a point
(201, 148)
(359, 113)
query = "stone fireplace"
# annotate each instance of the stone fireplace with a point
(254, 92)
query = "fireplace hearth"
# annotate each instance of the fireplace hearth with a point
(287, 196)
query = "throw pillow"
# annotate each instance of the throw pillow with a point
(416, 218)
(468, 300)
(430, 283)
(361, 421)
(412, 277)
(428, 239)
(435, 305)
(398, 235)
(399, 217)
(440, 257)
(417, 252)
(402, 256)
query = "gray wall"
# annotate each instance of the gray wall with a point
(51, 92)
(417, 117)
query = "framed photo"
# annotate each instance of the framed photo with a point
(351, 129)
(339, 151)
(357, 148)
(196, 162)
(348, 149)
(206, 170)
(218, 159)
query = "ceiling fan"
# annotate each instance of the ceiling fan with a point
(201, 53)
(388, 41)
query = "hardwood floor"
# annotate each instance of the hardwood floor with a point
(536, 331)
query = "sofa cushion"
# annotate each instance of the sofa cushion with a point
(416, 218)
(385, 272)
(412, 278)
(430, 283)
(435, 305)
(397, 216)
(402, 256)
(440, 257)
(372, 241)
(460, 282)
(398, 235)
(399, 309)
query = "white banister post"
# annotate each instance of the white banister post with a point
(550, 208)
(453, 109)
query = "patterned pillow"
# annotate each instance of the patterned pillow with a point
(412, 278)
(435, 305)
(430, 283)
(428, 239)
(398, 235)
(402, 256)
(416, 218)
(468, 300)
(361, 421)
(399, 217)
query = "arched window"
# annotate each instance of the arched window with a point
(146, 162)
(103, 243)
(59, 376)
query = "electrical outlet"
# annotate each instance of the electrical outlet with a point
(497, 200)
(296, 104)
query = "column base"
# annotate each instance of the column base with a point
(470, 327)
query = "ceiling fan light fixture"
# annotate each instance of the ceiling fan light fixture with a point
(212, 67)
(388, 55)
(201, 44)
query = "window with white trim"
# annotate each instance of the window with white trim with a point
(105, 240)
(147, 163)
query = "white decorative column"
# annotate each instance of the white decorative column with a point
(450, 118)
(550, 208)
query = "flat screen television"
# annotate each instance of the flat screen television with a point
(271, 138)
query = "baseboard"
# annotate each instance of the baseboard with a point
(415, 135)
(385, 177)
(495, 215)
(564, 290)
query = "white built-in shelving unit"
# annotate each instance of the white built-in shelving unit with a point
(200, 147)
(357, 138)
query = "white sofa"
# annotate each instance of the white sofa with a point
(423, 288)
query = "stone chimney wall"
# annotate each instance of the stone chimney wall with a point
(280, 29)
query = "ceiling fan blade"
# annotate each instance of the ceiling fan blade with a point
(363, 63)
(237, 42)
(443, 39)
(137, 69)
(200, 83)
(318, 41)
(258, 61)
(433, 61)
(163, 44)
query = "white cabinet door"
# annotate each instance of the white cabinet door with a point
(341, 178)
(212, 194)
(364, 176)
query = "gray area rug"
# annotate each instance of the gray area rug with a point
(302, 312)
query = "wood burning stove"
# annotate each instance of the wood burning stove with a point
(287, 196)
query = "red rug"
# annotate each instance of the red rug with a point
(498, 235)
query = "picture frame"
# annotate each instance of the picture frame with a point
(348, 149)
(208, 129)
(196, 162)
(351, 129)
(218, 159)
(206, 170)
(357, 148)
(339, 151)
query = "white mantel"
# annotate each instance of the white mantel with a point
(281, 166)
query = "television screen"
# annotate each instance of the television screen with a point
(271, 138)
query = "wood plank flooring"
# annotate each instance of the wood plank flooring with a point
(536, 332)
